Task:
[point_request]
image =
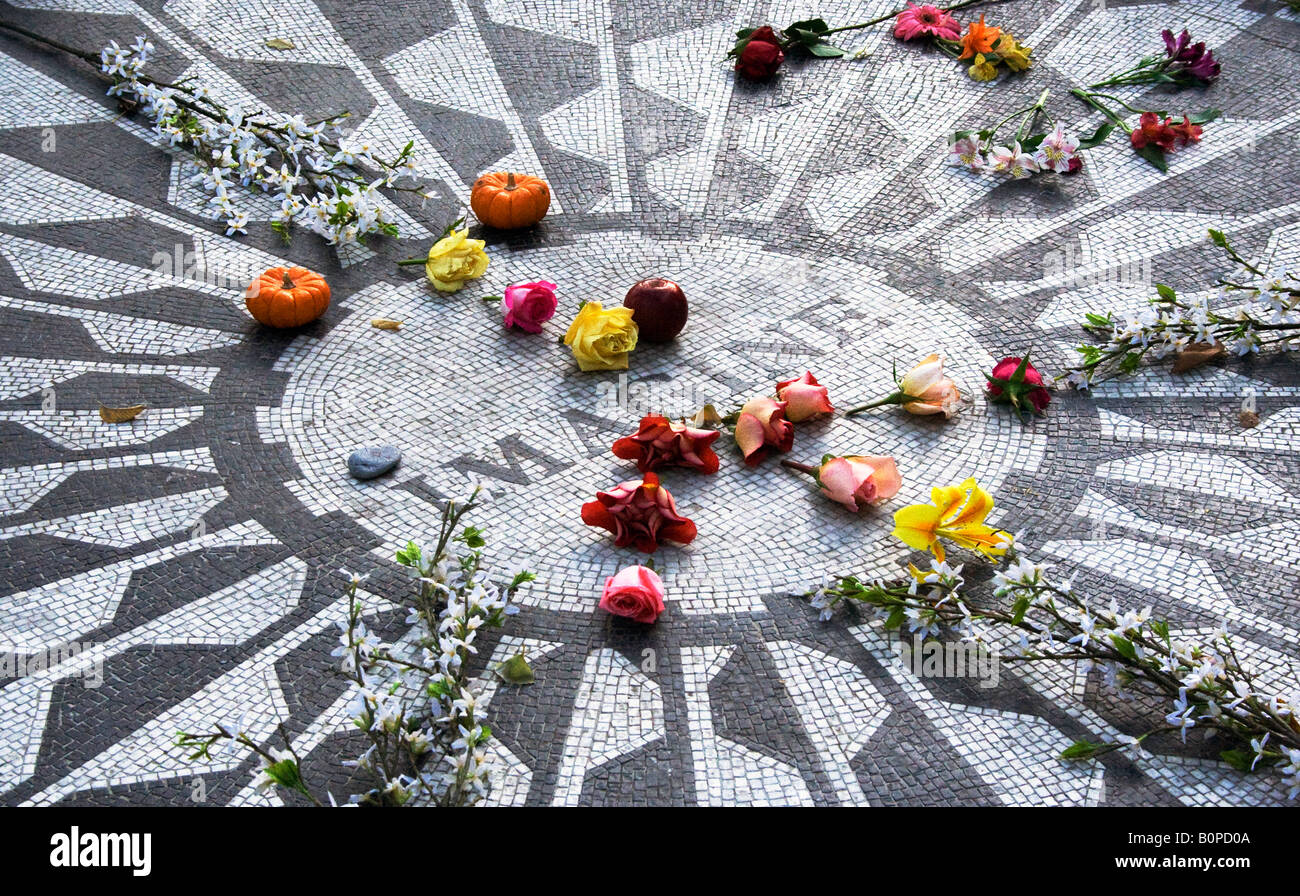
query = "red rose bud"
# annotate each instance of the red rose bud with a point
(661, 443)
(760, 59)
(1015, 382)
(765, 34)
(639, 514)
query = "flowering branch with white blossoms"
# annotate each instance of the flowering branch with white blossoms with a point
(1262, 309)
(414, 700)
(1027, 152)
(1204, 680)
(320, 185)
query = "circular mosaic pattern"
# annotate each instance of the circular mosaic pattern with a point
(466, 400)
(193, 556)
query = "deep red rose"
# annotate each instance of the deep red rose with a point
(760, 59)
(765, 34)
(1008, 384)
(639, 514)
(661, 443)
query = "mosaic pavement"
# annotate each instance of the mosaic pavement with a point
(813, 226)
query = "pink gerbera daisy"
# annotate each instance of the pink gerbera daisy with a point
(925, 21)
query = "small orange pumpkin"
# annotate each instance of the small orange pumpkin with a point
(287, 297)
(508, 201)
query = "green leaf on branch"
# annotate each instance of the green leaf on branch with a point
(1081, 749)
(1125, 647)
(896, 617)
(286, 774)
(1019, 609)
(1166, 292)
(1217, 237)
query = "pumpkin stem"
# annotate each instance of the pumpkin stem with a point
(288, 281)
(510, 180)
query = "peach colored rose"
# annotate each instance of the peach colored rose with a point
(927, 391)
(762, 428)
(922, 390)
(858, 481)
(804, 397)
(639, 514)
(636, 592)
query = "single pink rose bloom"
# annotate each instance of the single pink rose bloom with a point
(529, 305)
(858, 481)
(636, 592)
(805, 398)
(762, 428)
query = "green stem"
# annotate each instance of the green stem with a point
(412, 261)
(1100, 107)
(895, 398)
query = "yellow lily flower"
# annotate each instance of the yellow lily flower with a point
(1013, 53)
(983, 69)
(957, 513)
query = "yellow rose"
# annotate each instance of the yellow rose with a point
(983, 70)
(453, 260)
(601, 339)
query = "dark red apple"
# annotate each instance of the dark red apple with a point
(658, 308)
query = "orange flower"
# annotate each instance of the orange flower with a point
(979, 38)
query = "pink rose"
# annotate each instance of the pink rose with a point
(636, 592)
(857, 481)
(804, 398)
(529, 305)
(762, 428)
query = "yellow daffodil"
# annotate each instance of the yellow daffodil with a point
(454, 259)
(957, 513)
(983, 70)
(1014, 54)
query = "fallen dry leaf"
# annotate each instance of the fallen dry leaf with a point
(706, 416)
(280, 43)
(120, 415)
(383, 323)
(1197, 354)
(1248, 419)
